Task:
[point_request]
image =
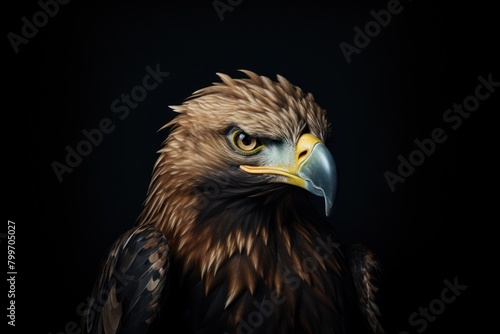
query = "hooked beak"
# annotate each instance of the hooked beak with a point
(313, 169)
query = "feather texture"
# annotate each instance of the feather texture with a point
(364, 267)
(127, 294)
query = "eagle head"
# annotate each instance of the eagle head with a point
(253, 132)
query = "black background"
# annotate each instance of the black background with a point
(437, 225)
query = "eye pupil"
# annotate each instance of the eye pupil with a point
(245, 139)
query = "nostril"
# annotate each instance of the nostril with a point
(303, 154)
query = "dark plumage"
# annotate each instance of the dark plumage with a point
(228, 240)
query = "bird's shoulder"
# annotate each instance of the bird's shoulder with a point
(128, 292)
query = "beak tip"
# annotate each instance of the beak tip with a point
(320, 173)
(328, 206)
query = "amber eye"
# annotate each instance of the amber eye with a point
(246, 143)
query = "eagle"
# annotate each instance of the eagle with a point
(230, 239)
